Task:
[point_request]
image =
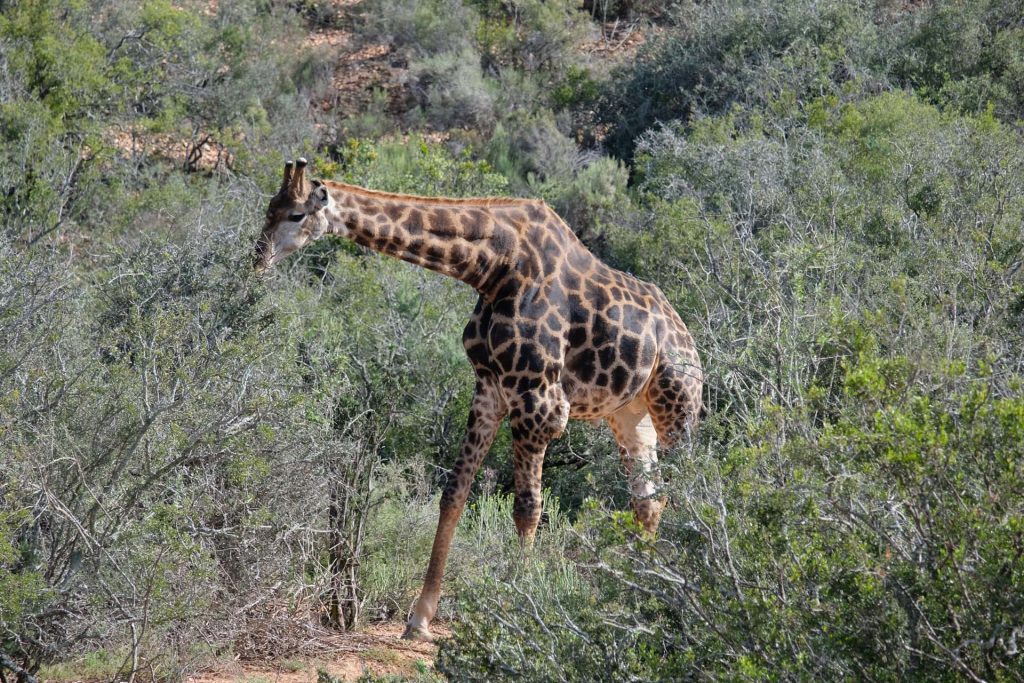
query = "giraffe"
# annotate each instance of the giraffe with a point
(556, 333)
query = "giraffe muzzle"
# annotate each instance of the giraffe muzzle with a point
(261, 260)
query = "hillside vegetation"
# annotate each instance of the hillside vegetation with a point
(199, 464)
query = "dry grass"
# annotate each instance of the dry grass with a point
(377, 648)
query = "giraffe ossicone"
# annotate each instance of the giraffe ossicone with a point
(556, 334)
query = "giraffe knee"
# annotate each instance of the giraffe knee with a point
(527, 505)
(540, 417)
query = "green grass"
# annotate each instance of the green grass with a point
(93, 666)
(485, 543)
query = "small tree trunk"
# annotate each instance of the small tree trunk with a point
(347, 513)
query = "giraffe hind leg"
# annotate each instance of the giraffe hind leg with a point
(673, 398)
(637, 439)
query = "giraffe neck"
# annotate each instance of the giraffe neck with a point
(473, 240)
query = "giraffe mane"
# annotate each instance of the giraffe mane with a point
(436, 201)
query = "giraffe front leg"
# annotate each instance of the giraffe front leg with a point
(535, 421)
(485, 415)
(527, 463)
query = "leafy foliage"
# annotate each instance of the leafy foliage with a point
(830, 193)
(847, 510)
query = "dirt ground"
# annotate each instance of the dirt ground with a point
(378, 649)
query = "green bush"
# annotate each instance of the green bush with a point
(586, 190)
(885, 549)
(531, 35)
(784, 53)
(453, 92)
(149, 387)
(425, 29)
(969, 56)
(533, 147)
(848, 509)
(740, 52)
(416, 167)
(22, 586)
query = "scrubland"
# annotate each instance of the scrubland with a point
(198, 465)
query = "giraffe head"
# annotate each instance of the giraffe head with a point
(295, 217)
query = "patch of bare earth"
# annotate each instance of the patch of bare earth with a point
(363, 72)
(199, 153)
(378, 648)
(619, 41)
(360, 71)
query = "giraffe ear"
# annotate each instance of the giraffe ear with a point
(318, 198)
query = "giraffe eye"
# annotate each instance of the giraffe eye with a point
(296, 217)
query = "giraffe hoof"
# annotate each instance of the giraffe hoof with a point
(418, 633)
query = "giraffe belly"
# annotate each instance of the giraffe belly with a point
(599, 379)
(588, 401)
(590, 404)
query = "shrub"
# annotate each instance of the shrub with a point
(740, 53)
(586, 190)
(415, 166)
(531, 35)
(160, 413)
(535, 149)
(847, 510)
(424, 29)
(792, 559)
(452, 91)
(967, 56)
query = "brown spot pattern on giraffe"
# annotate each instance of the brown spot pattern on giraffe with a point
(556, 333)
